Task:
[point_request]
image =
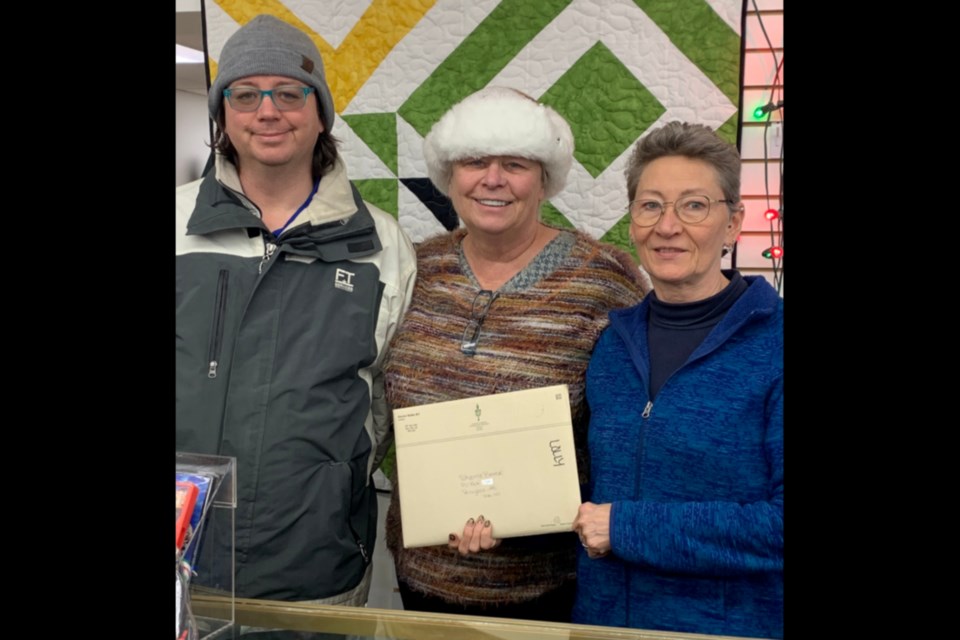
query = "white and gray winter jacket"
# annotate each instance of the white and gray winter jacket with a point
(279, 346)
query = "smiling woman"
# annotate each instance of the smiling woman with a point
(498, 195)
(680, 226)
(503, 304)
(683, 525)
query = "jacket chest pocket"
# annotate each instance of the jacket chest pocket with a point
(219, 319)
(327, 314)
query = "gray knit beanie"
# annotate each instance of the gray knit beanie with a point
(267, 46)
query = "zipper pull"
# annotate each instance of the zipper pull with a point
(267, 253)
(647, 409)
(363, 552)
(212, 371)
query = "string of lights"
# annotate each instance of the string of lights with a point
(773, 215)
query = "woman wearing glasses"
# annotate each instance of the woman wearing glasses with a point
(502, 304)
(683, 530)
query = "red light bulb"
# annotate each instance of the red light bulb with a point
(773, 253)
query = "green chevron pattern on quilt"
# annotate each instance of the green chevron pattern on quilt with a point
(380, 192)
(493, 44)
(606, 106)
(551, 215)
(619, 234)
(379, 132)
(703, 37)
(728, 130)
(612, 68)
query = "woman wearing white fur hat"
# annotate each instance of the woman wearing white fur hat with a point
(504, 303)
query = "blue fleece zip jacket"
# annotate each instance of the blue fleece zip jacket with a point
(695, 478)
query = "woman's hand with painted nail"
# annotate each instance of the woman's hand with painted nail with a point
(477, 536)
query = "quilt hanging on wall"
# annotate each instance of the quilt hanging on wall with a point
(612, 68)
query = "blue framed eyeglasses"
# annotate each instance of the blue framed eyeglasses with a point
(285, 98)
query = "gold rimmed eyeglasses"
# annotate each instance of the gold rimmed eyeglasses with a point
(646, 212)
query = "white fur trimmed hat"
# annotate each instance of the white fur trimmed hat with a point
(498, 121)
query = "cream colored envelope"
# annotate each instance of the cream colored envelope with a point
(508, 457)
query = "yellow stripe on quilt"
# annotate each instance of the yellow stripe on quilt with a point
(379, 29)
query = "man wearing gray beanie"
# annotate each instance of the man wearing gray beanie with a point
(289, 288)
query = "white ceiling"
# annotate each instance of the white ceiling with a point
(190, 77)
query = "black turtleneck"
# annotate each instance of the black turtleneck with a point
(674, 331)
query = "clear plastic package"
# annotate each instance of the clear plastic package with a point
(206, 502)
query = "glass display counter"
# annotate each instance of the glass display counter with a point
(297, 621)
(212, 564)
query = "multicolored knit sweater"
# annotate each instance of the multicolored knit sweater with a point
(539, 330)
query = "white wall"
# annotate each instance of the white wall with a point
(193, 134)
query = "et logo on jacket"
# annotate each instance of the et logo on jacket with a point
(344, 280)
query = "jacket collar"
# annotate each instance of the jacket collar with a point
(335, 225)
(759, 301)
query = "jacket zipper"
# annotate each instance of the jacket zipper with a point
(363, 552)
(268, 250)
(219, 314)
(356, 538)
(647, 409)
(643, 429)
(636, 489)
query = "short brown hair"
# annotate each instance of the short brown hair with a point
(695, 141)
